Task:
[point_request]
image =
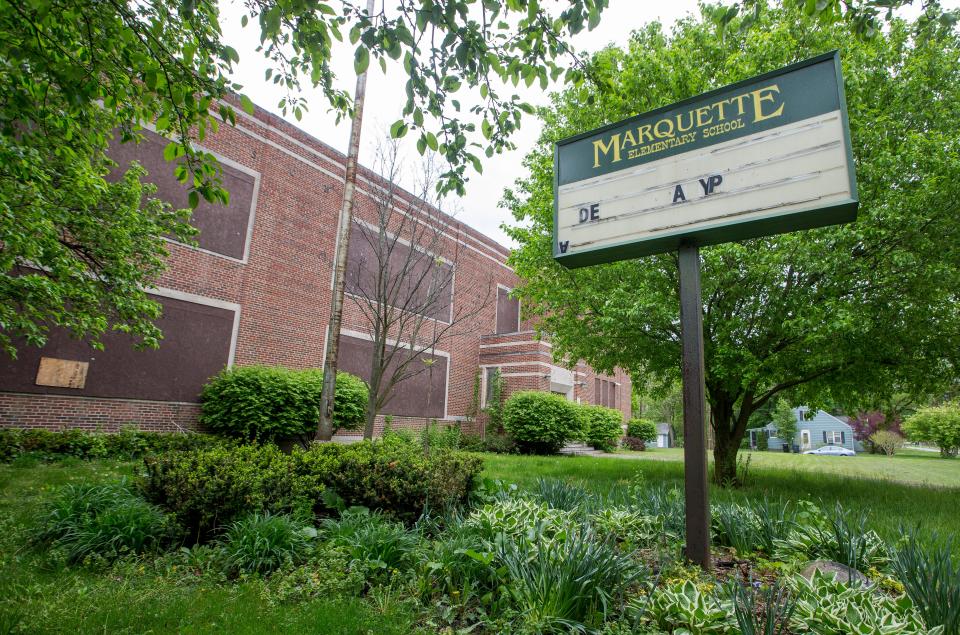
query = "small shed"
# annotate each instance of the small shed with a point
(814, 430)
(664, 435)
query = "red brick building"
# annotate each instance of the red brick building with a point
(256, 290)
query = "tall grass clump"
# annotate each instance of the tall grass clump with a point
(84, 522)
(774, 521)
(762, 611)
(560, 494)
(666, 502)
(568, 584)
(263, 542)
(370, 538)
(736, 526)
(931, 578)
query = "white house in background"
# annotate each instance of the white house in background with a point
(814, 430)
(664, 435)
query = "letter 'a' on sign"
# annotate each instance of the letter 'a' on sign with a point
(764, 156)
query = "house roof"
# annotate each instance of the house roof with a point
(663, 428)
(821, 418)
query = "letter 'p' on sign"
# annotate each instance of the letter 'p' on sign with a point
(767, 155)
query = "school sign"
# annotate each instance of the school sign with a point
(764, 156)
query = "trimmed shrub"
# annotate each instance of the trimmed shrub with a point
(500, 444)
(642, 429)
(212, 488)
(492, 442)
(541, 422)
(102, 521)
(349, 402)
(266, 403)
(633, 443)
(207, 489)
(604, 426)
(261, 543)
(129, 443)
(392, 476)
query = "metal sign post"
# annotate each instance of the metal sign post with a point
(694, 409)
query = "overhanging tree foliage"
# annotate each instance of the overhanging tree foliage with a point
(73, 73)
(829, 314)
(78, 252)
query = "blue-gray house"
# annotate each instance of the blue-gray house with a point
(813, 431)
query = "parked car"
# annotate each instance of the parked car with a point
(832, 450)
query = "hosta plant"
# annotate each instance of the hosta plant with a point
(826, 606)
(631, 528)
(685, 609)
(518, 518)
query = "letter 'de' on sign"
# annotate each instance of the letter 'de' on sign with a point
(764, 156)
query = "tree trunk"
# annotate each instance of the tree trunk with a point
(328, 390)
(371, 416)
(376, 379)
(725, 458)
(728, 431)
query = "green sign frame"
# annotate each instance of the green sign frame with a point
(811, 87)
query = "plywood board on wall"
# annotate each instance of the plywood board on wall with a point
(62, 373)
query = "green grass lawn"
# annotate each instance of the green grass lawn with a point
(38, 598)
(887, 489)
(907, 466)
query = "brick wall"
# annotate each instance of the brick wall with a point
(18, 410)
(283, 287)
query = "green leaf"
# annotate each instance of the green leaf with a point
(247, 105)
(361, 59)
(398, 129)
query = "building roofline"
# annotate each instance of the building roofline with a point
(272, 120)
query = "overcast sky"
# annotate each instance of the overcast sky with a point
(479, 208)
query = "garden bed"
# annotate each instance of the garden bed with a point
(553, 555)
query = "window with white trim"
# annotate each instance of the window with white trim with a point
(834, 437)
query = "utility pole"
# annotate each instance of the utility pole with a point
(325, 428)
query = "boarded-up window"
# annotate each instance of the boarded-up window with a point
(425, 282)
(195, 346)
(223, 229)
(489, 381)
(422, 395)
(605, 393)
(508, 312)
